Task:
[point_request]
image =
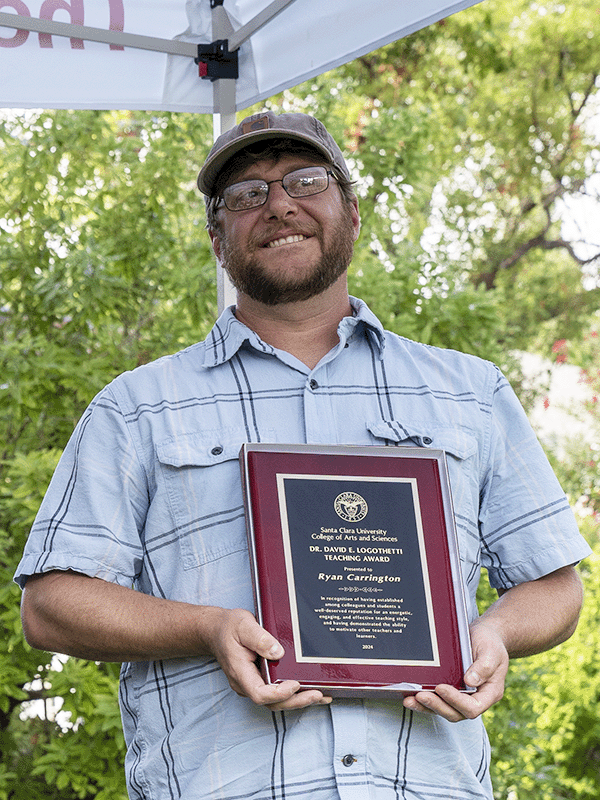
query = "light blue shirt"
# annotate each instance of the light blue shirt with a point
(148, 494)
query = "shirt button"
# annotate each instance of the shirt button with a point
(216, 451)
(348, 760)
(427, 440)
(313, 384)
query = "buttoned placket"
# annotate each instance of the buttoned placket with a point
(319, 412)
(348, 718)
(350, 748)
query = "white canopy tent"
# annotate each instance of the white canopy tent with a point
(153, 54)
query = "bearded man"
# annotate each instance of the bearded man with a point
(139, 552)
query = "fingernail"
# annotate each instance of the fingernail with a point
(472, 679)
(275, 652)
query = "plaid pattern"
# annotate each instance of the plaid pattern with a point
(148, 494)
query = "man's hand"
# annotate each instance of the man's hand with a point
(527, 619)
(236, 639)
(71, 613)
(487, 674)
(67, 612)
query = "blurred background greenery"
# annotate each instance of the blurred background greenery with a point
(475, 146)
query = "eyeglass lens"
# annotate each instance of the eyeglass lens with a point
(299, 183)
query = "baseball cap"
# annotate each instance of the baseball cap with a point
(267, 125)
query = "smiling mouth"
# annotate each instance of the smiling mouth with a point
(286, 240)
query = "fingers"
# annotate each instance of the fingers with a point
(487, 675)
(452, 704)
(296, 699)
(247, 633)
(246, 680)
(239, 640)
(445, 703)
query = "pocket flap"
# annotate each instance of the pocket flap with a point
(455, 441)
(201, 449)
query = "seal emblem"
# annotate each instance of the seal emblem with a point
(351, 507)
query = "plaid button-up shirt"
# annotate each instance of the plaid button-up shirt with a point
(148, 494)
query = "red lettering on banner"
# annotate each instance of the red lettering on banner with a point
(117, 19)
(75, 10)
(20, 37)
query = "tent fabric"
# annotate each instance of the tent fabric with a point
(305, 39)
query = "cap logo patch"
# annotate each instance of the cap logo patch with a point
(260, 124)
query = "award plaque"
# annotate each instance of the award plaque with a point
(355, 567)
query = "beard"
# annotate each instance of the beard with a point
(248, 276)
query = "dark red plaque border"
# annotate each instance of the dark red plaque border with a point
(261, 464)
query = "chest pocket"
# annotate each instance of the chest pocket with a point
(454, 441)
(201, 478)
(461, 450)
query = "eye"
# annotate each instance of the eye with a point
(245, 195)
(249, 194)
(306, 181)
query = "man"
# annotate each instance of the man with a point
(138, 553)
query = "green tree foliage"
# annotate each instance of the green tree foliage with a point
(579, 461)
(105, 266)
(468, 140)
(545, 733)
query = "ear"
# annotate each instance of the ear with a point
(355, 215)
(216, 244)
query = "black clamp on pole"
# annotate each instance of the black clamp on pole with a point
(215, 61)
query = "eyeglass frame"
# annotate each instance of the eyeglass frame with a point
(222, 202)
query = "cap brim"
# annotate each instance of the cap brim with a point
(215, 163)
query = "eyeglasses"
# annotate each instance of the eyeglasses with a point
(299, 183)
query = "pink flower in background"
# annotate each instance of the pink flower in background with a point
(560, 348)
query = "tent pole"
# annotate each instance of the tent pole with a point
(224, 103)
(223, 120)
(259, 21)
(118, 38)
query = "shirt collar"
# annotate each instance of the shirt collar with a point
(229, 334)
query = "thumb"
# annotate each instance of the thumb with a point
(260, 641)
(472, 676)
(490, 664)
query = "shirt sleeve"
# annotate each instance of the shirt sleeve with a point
(93, 513)
(527, 527)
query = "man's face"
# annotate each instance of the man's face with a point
(288, 249)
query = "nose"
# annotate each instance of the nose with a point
(279, 204)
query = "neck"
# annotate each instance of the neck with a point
(307, 329)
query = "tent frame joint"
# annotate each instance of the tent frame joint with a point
(215, 61)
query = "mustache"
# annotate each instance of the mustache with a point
(289, 229)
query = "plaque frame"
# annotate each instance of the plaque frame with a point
(355, 565)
